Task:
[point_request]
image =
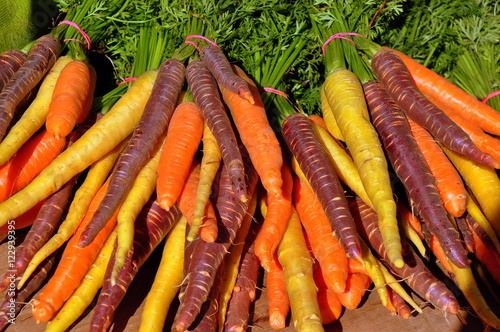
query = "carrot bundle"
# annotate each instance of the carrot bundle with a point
(313, 161)
(10, 61)
(39, 60)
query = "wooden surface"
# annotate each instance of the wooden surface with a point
(370, 316)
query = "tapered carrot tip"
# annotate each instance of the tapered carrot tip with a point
(277, 321)
(42, 311)
(266, 264)
(247, 96)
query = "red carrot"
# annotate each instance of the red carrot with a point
(319, 171)
(411, 167)
(10, 61)
(40, 59)
(151, 226)
(206, 95)
(394, 75)
(141, 147)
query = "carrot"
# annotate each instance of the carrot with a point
(187, 201)
(346, 98)
(465, 233)
(152, 122)
(458, 101)
(218, 64)
(484, 141)
(83, 296)
(484, 183)
(181, 144)
(167, 279)
(410, 218)
(412, 169)
(278, 303)
(328, 301)
(68, 98)
(33, 118)
(24, 220)
(256, 134)
(400, 306)
(30, 160)
(395, 77)
(329, 118)
(415, 273)
(318, 170)
(95, 178)
(210, 163)
(278, 209)
(39, 60)
(244, 291)
(438, 251)
(449, 182)
(206, 95)
(10, 61)
(151, 226)
(475, 212)
(107, 133)
(297, 264)
(207, 256)
(89, 101)
(73, 266)
(356, 286)
(326, 249)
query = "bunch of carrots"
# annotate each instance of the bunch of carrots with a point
(187, 159)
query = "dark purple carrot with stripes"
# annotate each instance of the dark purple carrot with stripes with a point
(391, 71)
(414, 272)
(319, 171)
(411, 167)
(39, 60)
(151, 226)
(154, 121)
(216, 61)
(10, 61)
(206, 94)
(206, 257)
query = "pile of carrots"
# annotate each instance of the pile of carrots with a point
(187, 159)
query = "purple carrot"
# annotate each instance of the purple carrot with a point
(140, 149)
(414, 272)
(10, 61)
(411, 167)
(216, 61)
(319, 171)
(206, 257)
(206, 94)
(465, 232)
(39, 61)
(394, 75)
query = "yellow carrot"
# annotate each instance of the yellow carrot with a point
(34, 116)
(345, 96)
(101, 138)
(373, 268)
(476, 213)
(95, 178)
(83, 296)
(331, 123)
(167, 280)
(297, 264)
(483, 182)
(210, 163)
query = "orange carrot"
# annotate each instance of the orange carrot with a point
(319, 120)
(449, 182)
(73, 265)
(278, 303)
(329, 302)
(256, 134)
(187, 202)
(276, 219)
(68, 99)
(438, 251)
(356, 286)
(87, 105)
(325, 247)
(410, 218)
(459, 101)
(30, 160)
(183, 139)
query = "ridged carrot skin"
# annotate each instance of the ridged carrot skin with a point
(206, 94)
(314, 162)
(217, 62)
(278, 303)
(414, 272)
(460, 102)
(347, 101)
(411, 167)
(449, 182)
(10, 61)
(329, 118)
(153, 121)
(101, 138)
(395, 77)
(39, 60)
